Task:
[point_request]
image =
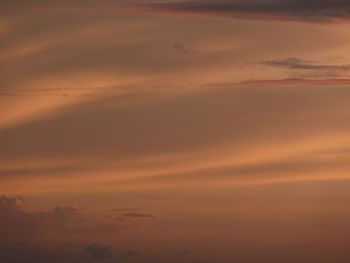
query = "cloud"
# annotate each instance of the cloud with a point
(33, 254)
(137, 215)
(97, 251)
(132, 253)
(10, 202)
(185, 253)
(128, 129)
(58, 235)
(124, 209)
(304, 10)
(182, 49)
(9, 7)
(300, 10)
(18, 225)
(309, 68)
(308, 166)
(67, 210)
(67, 253)
(134, 130)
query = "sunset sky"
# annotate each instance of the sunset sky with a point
(175, 131)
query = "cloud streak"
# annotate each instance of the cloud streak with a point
(137, 215)
(301, 10)
(309, 68)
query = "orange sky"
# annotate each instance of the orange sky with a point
(176, 131)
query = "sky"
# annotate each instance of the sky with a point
(174, 131)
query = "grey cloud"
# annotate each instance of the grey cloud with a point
(33, 254)
(137, 215)
(9, 7)
(97, 251)
(68, 253)
(11, 202)
(124, 209)
(18, 225)
(132, 253)
(306, 10)
(296, 63)
(60, 253)
(185, 253)
(182, 49)
(308, 67)
(67, 209)
(60, 235)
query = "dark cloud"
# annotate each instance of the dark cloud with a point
(10, 202)
(296, 63)
(57, 235)
(134, 214)
(132, 253)
(8, 7)
(18, 225)
(67, 210)
(34, 254)
(97, 251)
(124, 209)
(306, 10)
(185, 253)
(182, 49)
(29, 253)
(308, 68)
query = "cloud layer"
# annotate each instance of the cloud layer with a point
(63, 234)
(304, 10)
(166, 131)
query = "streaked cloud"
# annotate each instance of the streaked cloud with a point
(310, 69)
(137, 215)
(301, 10)
(174, 131)
(258, 119)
